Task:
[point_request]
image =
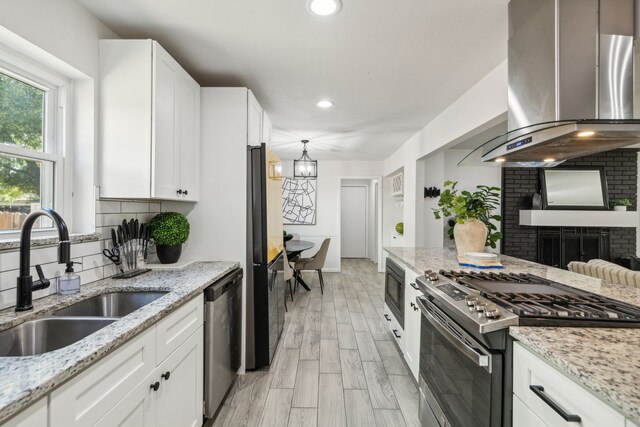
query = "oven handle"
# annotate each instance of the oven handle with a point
(482, 360)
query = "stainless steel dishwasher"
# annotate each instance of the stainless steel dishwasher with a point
(222, 339)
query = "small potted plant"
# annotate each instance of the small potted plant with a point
(620, 204)
(400, 228)
(169, 230)
(471, 225)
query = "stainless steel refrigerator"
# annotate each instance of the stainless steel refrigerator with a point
(265, 284)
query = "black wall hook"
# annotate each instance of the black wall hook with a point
(431, 192)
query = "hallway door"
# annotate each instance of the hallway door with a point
(353, 222)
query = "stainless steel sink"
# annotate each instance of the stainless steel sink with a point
(48, 334)
(114, 304)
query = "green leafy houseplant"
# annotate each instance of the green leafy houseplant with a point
(464, 205)
(169, 228)
(620, 202)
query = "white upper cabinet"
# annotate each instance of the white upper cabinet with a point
(149, 123)
(254, 120)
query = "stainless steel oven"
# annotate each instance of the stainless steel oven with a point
(394, 290)
(460, 379)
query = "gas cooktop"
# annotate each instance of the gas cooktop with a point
(497, 300)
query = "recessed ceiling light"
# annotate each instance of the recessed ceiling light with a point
(549, 160)
(324, 7)
(325, 104)
(586, 133)
(501, 160)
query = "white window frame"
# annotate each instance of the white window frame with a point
(57, 103)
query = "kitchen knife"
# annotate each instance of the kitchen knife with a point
(120, 236)
(136, 225)
(125, 230)
(132, 228)
(114, 238)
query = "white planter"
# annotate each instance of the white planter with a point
(470, 236)
(620, 208)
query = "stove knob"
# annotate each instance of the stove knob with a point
(471, 300)
(491, 311)
(480, 306)
(431, 276)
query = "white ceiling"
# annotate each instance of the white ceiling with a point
(390, 66)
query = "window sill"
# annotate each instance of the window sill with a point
(40, 241)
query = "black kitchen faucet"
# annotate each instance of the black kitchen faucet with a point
(26, 285)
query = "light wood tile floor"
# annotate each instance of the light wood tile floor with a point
(336, 364)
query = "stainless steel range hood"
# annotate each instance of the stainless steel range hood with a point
(571, 82)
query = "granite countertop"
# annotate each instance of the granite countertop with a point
(40, 241)
(23, 380)
(604, 361)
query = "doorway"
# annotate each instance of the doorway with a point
(354, 208)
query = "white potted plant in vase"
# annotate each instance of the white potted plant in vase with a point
(471, 215)
(620, 205)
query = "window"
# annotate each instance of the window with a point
(30, 147)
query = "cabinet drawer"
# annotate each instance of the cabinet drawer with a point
(529, 370)
(523, 417)
(88, 397)
(178, 326)
(396, 331)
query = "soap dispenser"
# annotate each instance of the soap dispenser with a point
(69, 282)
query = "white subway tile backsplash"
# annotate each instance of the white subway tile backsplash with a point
(88, 276)
(135, 207)
(94, 261)
(95, 266)
(145, 217)
(84, 249)
(108, 206)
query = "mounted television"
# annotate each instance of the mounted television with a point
(574, 188)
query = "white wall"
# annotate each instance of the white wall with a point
(433, 176)
(63, 36)
(330, 174)
(373, 224)
(392, 213)
(468, 177)
(481, 106)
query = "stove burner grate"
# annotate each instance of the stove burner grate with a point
(530, 296)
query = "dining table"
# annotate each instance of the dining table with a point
(295, 248)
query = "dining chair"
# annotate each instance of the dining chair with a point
(316, 262)
(288, 274)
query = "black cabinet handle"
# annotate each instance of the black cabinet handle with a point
(179, 191)
(414, 286)
(539, 391)
(412, 304)
(387, 317)
(186, 192)
(395, 332)
(155, 386)
(415, 308)
(166, 375)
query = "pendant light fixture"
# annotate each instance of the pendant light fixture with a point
(305, 167)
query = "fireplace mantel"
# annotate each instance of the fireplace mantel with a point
(553, 218)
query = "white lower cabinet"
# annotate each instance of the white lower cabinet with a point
(181, 387)
(85, 399)
(156, 379)
(137, 409)
(34, 416)
(544, 396)
(412, 320)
